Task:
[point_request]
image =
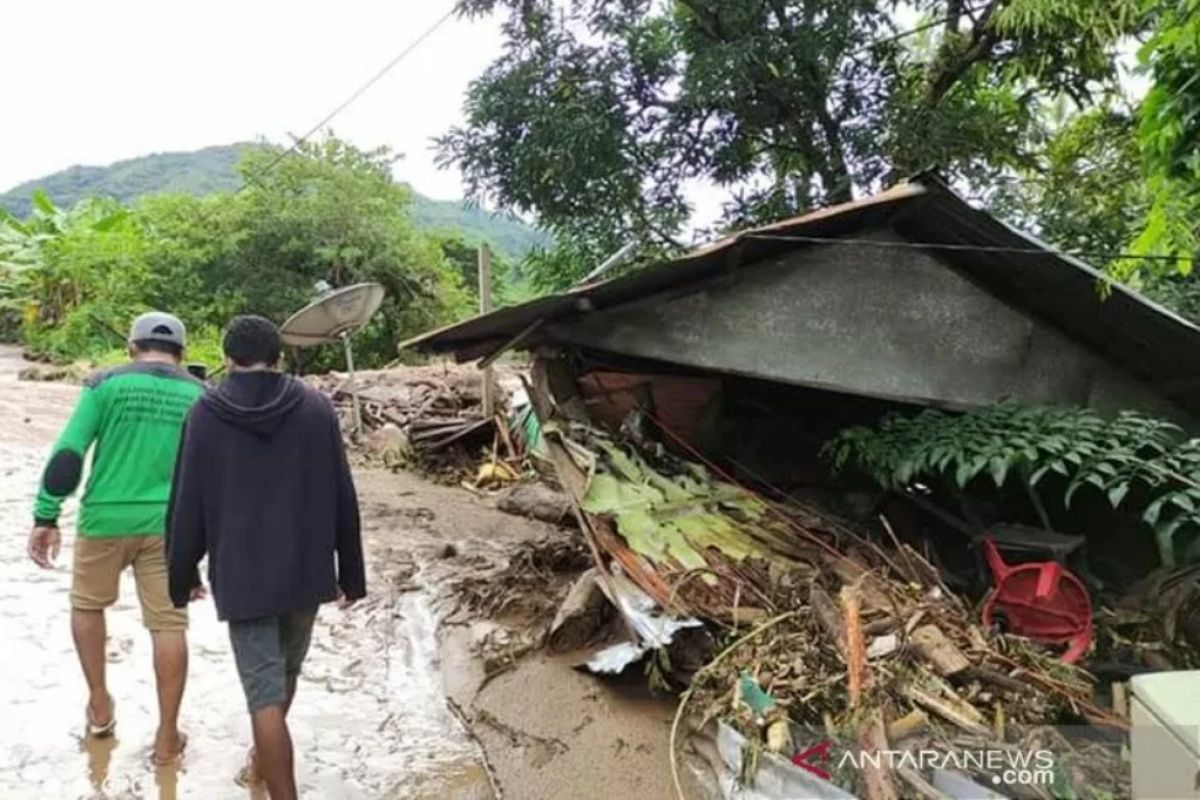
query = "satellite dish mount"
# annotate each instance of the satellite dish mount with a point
(337, 315)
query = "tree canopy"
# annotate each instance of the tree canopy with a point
(1169, 134)
(600, 117)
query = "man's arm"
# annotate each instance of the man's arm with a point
(186, 541)
(64, 470)
(352, 579)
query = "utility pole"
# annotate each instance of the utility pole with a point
(485, 305)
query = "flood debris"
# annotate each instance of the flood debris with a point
(861, 644)
(537, 501)
(529, 587)
(581, 617)
(651, 628)
(688, 407)
(1156, 624)
(428, 417)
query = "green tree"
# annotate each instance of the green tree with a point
(333, 213)
(327, 213)
(1169, 134)
(463, 258)
(599, 116)
(1084, 192)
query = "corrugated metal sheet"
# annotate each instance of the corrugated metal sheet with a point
(1126, 329)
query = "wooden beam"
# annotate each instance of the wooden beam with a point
(485, 305)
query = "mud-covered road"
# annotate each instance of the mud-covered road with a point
(392, 704)
(370, 719)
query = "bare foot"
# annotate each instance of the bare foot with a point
(169, 747)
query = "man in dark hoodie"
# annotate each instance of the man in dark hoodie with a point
(263, 487)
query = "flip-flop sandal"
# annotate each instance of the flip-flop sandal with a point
(100, 731)
(248, 775)
(175, 759)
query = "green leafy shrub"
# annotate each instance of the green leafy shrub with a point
(1011, 441)
(72, 279)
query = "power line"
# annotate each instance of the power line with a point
(359, 92)
(972, 248)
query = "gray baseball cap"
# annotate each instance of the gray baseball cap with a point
(156, 326)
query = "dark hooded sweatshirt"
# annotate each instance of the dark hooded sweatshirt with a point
(263, 487)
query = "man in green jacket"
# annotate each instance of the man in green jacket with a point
(134, 415)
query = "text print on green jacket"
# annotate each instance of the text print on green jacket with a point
(134, 414)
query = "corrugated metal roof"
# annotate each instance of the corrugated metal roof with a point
(1144, 339)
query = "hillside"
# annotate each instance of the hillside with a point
(213, 170)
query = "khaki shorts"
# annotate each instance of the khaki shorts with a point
(99, 562)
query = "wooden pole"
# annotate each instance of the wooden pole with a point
(485, 305)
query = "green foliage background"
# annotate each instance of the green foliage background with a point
(215, 169)
(72, 278)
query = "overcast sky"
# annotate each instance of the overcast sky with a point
(92, 83)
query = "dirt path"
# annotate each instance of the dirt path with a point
(371, 718)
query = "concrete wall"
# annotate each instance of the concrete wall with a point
(896, 324)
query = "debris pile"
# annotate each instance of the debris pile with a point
(852, 636)
(432, 415)
(1156, 624)
(521, 597)
(531, 583)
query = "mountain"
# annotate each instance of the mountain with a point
(212, 169)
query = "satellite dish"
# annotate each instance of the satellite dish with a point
(332, 316)
(336, 315)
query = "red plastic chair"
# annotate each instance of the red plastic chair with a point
(1042, 601)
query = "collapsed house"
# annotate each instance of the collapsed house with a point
(685, 408)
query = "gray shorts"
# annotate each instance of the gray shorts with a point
(269, 652)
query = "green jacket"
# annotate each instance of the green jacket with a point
(134, 414)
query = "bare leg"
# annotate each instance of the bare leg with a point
(170, 673)
(251, 773)
(91, 635)
(292, 680)
(273, 751)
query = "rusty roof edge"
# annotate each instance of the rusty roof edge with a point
(904, 190)
(1067, 258)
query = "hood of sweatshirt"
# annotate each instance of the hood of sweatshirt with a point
(258, 402)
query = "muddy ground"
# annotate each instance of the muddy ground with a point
(394, 703)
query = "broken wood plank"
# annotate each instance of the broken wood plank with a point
(827, 616)
(946, 711)
(934, 647)
(873, 592)
(878, 627)
(1120, 698)
(877, 777)
(999, 679)
(910, 724)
